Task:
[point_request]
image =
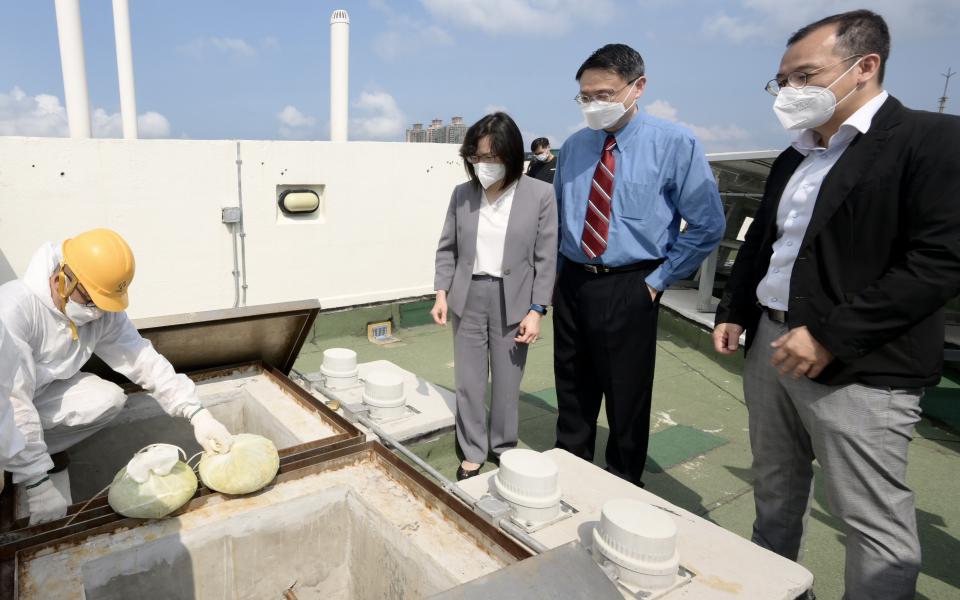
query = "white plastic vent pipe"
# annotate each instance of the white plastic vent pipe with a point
(128, 94)
(339, 74)
(70, 34)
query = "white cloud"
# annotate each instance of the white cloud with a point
(406, 37)
(110, 125)
(767, 20)
(716, 137)
(662, 109)
(295, 125)
(521, 16)
(44, 116)
(235, 47)
(380, 118)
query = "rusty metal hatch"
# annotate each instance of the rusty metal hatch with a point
(270, 333)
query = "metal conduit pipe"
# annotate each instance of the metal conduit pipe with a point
(236, 267)
(243, 232)
(504, 524)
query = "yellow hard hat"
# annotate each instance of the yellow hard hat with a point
(103, 263)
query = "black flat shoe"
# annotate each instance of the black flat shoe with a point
(465, 474)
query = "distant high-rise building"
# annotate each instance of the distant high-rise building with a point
(437, 132)
(456, 131)
(417, 133)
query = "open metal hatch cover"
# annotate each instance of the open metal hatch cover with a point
(272, 333)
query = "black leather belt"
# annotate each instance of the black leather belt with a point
(779, 316)
(485, 277)
(604, 269)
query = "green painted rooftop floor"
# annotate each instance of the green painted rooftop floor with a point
(699, 451)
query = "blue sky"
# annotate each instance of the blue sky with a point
(260, 70)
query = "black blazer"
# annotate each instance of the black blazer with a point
(881, 255)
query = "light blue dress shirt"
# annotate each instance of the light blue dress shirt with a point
(661, 176)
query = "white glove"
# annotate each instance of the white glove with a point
(45, 502)
(211, 433)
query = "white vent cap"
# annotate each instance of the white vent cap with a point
(638, 537)
(339, 16)
(339, 362)
(528, 478)
(383, 389)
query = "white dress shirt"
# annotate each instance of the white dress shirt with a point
(800, 197)
(492, 232)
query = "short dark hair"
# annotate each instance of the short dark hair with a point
(540, 142)
(618, 58)
(859, 32)
(506, 142)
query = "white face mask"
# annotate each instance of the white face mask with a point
(810, 106)
(80, 314)
(543, 157)
(489, 173)
(604, 115)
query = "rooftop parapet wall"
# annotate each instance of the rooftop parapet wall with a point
(373, 239)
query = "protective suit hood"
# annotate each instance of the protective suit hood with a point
(37, 276)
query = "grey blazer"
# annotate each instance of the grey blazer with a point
(529, 254)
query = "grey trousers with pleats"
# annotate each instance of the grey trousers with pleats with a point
(859, 435)
(483, 347)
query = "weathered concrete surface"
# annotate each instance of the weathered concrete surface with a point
(355, 532)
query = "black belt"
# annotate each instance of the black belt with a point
(485, 277)
(779, 316)
(604, 269)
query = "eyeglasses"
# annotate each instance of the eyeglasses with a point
(798, 79)
(602, 96)
(476, 158)
(69, 284)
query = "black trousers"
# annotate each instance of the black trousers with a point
(605, 342)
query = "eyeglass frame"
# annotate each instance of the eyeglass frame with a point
(477, 158)
(583, 99)
(806, 76)
(72, 284)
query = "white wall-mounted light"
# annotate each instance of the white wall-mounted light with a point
(298, 202)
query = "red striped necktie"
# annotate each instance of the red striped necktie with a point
(597, 224)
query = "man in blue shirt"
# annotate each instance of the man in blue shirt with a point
(623, 184)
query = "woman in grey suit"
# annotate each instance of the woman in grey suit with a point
(495, 269)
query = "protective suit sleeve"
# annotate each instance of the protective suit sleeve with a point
(32, 461)
(127, 352)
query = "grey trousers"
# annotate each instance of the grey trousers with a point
(859, 435)
(483, 344)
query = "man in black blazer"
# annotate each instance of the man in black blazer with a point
(840, 287)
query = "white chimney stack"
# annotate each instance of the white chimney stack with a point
(339, 74)
(70, 33)
(128, 94)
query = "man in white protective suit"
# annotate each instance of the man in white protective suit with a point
(11, 441)
(69, 305)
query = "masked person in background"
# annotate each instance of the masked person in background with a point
(840, 286)
(68, 306)
(623, 184)
(543, 165)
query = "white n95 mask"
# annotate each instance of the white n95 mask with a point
(80, 314)
(809, 106)
(489, 173)
(604, 115)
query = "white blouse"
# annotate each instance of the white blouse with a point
(492, 233)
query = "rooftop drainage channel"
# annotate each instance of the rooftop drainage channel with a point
(355, 522)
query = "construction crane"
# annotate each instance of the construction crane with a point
(943, 98)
